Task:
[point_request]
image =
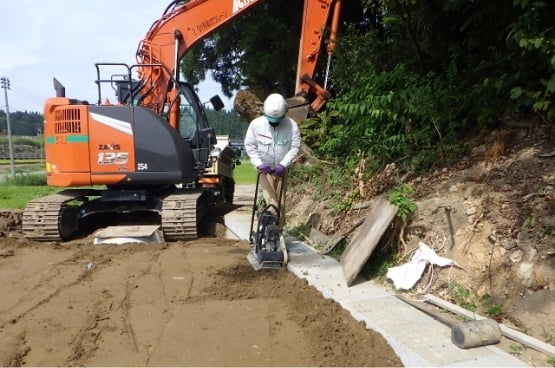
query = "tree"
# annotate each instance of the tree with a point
(258, 51)
(22, 123)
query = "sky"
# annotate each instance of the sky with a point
(40, 40)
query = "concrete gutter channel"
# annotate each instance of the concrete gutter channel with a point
(418, 339)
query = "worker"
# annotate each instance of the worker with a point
(272, 142)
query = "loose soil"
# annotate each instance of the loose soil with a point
(196, 303)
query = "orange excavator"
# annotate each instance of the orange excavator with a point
(147, 156)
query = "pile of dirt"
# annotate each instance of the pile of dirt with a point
(493, 212)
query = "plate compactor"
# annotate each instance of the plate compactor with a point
(267, 242)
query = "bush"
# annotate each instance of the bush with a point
(25, 180)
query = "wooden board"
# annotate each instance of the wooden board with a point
(363, 244)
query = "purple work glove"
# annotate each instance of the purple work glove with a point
(280, 170)
(265, 168)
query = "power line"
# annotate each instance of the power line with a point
(28, 94)
(28, 97)
(5, 83)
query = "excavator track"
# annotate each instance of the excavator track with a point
(48, 218)
(51, 218)
(181, 212)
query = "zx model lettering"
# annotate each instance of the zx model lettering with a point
(112, 158)
(109, 147)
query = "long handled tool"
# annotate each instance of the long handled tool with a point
(269, 251)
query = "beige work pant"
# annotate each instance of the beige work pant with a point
(271, 185)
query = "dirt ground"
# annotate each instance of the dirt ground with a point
(196, 303)
(493, 212)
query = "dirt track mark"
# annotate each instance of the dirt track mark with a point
(84, 343)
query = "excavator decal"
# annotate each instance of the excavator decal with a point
(119, 125)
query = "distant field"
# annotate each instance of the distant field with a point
(22, 166)
(245, 173)
(21, 162)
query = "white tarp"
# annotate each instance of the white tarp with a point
(408, 274)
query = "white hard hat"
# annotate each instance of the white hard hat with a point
(275, 108)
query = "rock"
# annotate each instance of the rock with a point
(471, 211)
(509, 244)
(516, 256)
(532, 253)
(526, 273)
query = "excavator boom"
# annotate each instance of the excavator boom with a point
(183, 25)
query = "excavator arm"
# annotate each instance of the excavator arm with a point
(184, 24)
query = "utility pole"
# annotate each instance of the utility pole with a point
(5, 83)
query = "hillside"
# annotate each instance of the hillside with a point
(493, 212)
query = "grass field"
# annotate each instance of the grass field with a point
(245, 173)
(16, 197)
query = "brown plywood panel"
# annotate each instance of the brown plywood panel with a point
(364, 242)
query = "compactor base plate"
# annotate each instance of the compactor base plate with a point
(269, 259)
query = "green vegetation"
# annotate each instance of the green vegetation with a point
(28, 124)
(548, 336)
(411, 83)
(35, 142)
(378, 264)
(19, 163)
(461, 295)
(16, 197)
(16, 192)
(29, 179)
(227, 123)
(493, 310)
(516, 349)
(245, 173)
(399, 197)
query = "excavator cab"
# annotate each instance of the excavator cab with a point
(192, 123)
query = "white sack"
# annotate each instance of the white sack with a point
(408, 274)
